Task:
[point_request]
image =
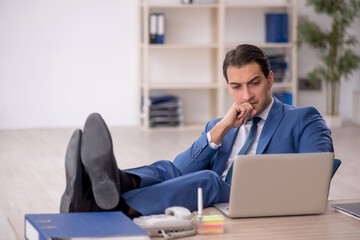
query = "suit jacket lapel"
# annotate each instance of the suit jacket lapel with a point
(272, 122)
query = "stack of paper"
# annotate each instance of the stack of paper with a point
(165, 111)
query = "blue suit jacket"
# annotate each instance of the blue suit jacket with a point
(286, 130)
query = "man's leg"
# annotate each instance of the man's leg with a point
(98, 158)
(78, 195)
(179, 191)
(154, 173)
(109, 184)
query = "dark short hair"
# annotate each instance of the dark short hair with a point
(244, 54)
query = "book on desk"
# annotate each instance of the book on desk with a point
(92, 225)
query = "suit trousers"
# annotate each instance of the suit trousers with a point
(162, 185)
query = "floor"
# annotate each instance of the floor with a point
(32, 177)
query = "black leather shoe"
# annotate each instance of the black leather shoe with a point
(99, 162)
(75, 197)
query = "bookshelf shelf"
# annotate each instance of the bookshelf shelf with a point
(261, 45)
(179, 5)
(189, 62)
(257, 5)
(181, 86)
(181, 46)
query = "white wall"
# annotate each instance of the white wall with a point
(61, 60)
(308, 59)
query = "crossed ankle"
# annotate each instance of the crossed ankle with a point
(128, 181)
(136, 181)
(133, 213)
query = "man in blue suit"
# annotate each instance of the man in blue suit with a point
(94, 183)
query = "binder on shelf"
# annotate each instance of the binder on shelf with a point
(160, 28)
(186, 1)
(91, 225)
(156, 28)
(152, 27)
(279, 66)
(165, 110)
(277, 27)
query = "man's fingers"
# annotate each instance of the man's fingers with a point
(253, 113)
(239, 114)
(244, 110)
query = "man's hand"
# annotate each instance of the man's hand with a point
(236, 116)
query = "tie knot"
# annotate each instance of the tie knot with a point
(255, 120)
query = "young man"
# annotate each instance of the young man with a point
(94, 183)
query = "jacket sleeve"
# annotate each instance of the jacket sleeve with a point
(314, 134)
(198, 156)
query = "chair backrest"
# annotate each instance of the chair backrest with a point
(337, 163)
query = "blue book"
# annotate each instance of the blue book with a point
(288, 98)
(94, 225)
(284, 27)
(277, 27)
(271, 28)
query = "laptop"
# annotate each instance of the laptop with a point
(279, 185)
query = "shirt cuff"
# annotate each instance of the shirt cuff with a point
(211, 144)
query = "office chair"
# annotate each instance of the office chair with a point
(337, 163)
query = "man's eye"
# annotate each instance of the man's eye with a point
(255, 83)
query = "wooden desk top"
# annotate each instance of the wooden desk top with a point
(330, 225)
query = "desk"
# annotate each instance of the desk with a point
(330, 225)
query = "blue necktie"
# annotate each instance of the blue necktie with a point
(246, 145)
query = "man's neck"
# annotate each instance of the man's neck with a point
(266, 111)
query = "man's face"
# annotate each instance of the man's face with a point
(248, 84)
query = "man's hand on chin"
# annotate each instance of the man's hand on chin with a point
(237, 115)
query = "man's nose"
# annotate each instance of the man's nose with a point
(247, 94)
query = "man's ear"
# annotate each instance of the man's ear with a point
(271, 79)
(228, 86)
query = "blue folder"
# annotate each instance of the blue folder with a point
(277, 27)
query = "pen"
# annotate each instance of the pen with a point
(200, 202)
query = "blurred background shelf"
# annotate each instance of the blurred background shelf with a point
(188, 64)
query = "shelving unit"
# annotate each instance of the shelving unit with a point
(197, 37)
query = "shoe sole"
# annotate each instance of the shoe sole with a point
(97, 157)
